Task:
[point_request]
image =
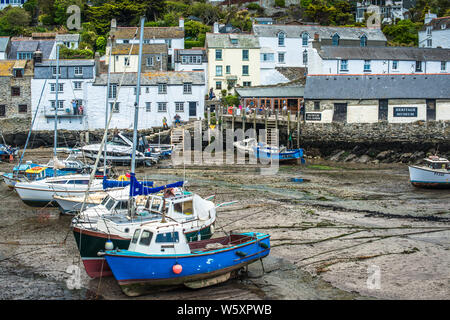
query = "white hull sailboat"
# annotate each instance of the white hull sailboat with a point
(41, 192)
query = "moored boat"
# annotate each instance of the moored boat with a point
(434, 173)
(279, 153)
(160, 255)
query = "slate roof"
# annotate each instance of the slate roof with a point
(66, 62)
(3, 43)
(153, 78)
(345, 87)
(28, 45)
(384, 53)
(68, 37)
(149, 32)
(271, 92)
(325, 32)
(223, 40)
(437, 24)
(124, 49)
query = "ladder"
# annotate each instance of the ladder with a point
(271, 133)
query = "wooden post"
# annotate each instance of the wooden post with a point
(243, 120)
(254, 121)
(288, 127)
(232, 120)
(265, 122)
(298, 129)
(209, 124)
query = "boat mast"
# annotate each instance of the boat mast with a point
(56, 111)
(136, 114)
(107, 105)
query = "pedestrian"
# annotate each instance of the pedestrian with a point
(74, 106)
(80, 110)
(177, 120)
(164, 120)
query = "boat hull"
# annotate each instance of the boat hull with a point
(428, 178)
(67, 206)
(91, 242)
(289, 155)
(138, 273)
(37, 195)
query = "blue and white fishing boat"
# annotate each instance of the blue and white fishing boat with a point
(8, 153)
(278, 153)
(160, 255)
(434, 173)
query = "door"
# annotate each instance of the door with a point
(431, 110)
(383, 109)
(192, 109)
(340, 112)
(2, 110)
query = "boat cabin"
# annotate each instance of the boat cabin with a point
(176, 203)
(162, 238)
(36, 173)
(437, 163)
(169, 238)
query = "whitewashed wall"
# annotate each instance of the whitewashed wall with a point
(126, 99)
(421, 112)
(362, 113)
(42, 122)
(317, 65)
(443, 110)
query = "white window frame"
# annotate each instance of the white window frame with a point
(162, 106)
(179, 106)
(77, 85)
(148, 107)
(162, 88)
(187, 88)
(78, 71)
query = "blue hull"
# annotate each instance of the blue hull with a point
(292, 154)
(137, 272)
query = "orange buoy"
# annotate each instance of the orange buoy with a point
(177, 269)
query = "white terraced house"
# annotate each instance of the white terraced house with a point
(75, 78)
(288, 45)
(163, 94)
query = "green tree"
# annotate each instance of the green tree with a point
(192, 29)
(60, 8)
(100, 45)
(13, 20)
(404, 33)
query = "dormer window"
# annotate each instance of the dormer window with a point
(18, 73)
(305, 38)
(363, 41)
(335, 40)
(281, 38)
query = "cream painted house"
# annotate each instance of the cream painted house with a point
(233, 61)
(125, 57)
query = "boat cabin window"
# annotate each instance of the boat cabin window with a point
(156, 204)
(123, 204)
(119, 141)
(60, 182)
(167, 237)
(105, 200)
(110, 203)
(183, 207)
(135, 235)
(85, 182)
(438, 165)
(146, 238)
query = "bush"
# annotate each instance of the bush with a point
(280, 3)
(253, 6)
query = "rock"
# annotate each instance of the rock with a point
(350, 157)
(337, 156)
(384, 154)
(364, 159)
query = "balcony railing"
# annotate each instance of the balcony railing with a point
(63, 112)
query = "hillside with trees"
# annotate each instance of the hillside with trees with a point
(96, 15)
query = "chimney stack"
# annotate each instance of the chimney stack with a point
(181, 23)
(316, 43)
(113, 24)
(216, 27)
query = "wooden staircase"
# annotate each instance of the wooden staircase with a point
(272, 133)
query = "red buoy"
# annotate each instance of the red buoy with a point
(177, 269)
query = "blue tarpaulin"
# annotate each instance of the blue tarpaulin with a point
(138, 189)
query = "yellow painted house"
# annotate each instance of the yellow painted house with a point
(233, 61)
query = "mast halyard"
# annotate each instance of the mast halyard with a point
(132, 205)
(56, 111)
(107, 105)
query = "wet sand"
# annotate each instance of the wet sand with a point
(349, 231)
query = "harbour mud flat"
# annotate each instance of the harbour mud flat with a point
(339, 230)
